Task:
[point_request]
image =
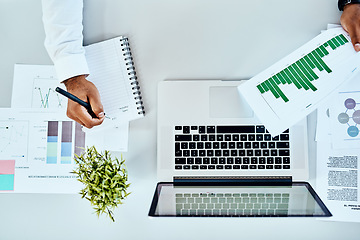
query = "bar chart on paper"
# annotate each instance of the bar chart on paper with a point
(301, 73)
(289, 90)
(64, 139)
(37, 148)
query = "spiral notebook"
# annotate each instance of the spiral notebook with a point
(112, 71)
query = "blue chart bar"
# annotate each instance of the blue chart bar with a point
(52, 140)
(60, 141)
(66, 142)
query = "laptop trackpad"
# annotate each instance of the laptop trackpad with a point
(226, 102)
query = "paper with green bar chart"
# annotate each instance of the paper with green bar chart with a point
(292, 88)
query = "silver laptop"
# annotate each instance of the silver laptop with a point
(208, 137)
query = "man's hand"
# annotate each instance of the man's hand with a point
(86, 91)
(350, 20)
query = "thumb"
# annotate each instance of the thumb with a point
(355, 38)
(357, 46)
(96, 105)
(356, 43)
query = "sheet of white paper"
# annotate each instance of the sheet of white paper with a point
(113, 138)
(337, 181)
(345, 115)
(42, 143)
(34, 87)
(333, 25)
(323, 123)
(110, 74)
(292, 88)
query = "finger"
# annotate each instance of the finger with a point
(95, 102)
(84, 116)
(354, 33)
(79, 114)
(79, 121)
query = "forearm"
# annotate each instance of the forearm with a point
(64, 39)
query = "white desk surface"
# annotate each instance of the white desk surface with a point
(178, 39)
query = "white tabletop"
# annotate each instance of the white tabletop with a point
(178, 39)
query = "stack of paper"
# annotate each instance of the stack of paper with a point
(338, 151)
(41, 141)
(323, 74)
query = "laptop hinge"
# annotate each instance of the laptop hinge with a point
(233, 180)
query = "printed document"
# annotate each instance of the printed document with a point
(34, 87)
(338, 153)
(337, 181)
(292, 88)
(37, 148)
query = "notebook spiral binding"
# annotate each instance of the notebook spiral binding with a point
(125, 48)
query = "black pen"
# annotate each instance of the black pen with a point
(77, 100)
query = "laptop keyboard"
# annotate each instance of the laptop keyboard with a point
(232, 203)
(245, 147)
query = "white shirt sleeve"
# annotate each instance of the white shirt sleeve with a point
(64, 38)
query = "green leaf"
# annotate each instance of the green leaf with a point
(104, 179)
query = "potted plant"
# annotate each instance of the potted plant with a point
(105, 180)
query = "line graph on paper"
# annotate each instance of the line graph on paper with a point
(14, 139)
(44, 94)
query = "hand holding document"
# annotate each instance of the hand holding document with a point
(38, 141)
(289, 90)
(37, 84)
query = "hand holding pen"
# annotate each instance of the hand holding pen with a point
(84, 104)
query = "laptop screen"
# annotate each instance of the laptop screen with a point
(296, 200)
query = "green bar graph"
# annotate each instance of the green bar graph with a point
(277, 89)
(283, 75)
(323, 49)
(308, 60)
(301, 73)
(340, 40)
(272, 88)
(264, 86)
(276, 79)
(293, 79)
(319, 52)
(295, 73)
(337, 44)
(261, 89)
(331, 45)
(304, 70)
(344, 38)
(313, 57)
(280, 78)
(311, 86)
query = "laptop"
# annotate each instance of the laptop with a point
(215, 158)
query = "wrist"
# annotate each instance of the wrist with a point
(344, 3)
(74, 82)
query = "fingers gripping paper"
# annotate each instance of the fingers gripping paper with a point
(292, 88)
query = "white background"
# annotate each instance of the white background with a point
(177, 39)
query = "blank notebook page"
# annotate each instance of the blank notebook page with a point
(108, 73)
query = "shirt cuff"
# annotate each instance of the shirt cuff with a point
(71, 66)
